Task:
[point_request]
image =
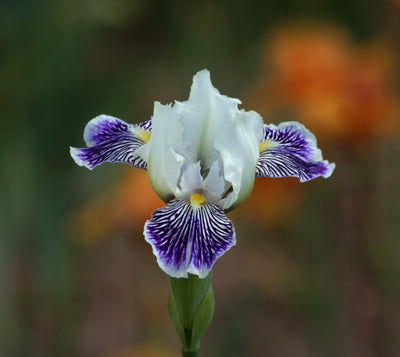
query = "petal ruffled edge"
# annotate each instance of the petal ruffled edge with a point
(110, 139)
(187, 239)
(290, 149)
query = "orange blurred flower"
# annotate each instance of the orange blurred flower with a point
(338, 90)
(135, 198)
(342, 92)
(272, 201)
(127, 206)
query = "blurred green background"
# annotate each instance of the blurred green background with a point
(316, 270)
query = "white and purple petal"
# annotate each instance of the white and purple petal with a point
(289, 149)
(110, 139)
(187, 239)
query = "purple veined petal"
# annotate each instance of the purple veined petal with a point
(187, 239)
(289, 149)
(105, 127)
(110, 139)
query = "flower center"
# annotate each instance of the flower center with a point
(142, 133)
(266, 144)
(197, 199)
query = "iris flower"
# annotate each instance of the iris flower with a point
(202, 157)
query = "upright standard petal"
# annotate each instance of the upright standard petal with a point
(289, 149)
(110, 139)
(162, 153)
(189, 237)
(203, 116)
(215, 130)
(238, 147)
(208, 128)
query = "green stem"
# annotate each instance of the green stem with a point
(191, 307)
(192, 353)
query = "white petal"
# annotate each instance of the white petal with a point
(202, 118)
(239, 148)
(210, 129)
(214, 183)
(161, 153)
(191, 180)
